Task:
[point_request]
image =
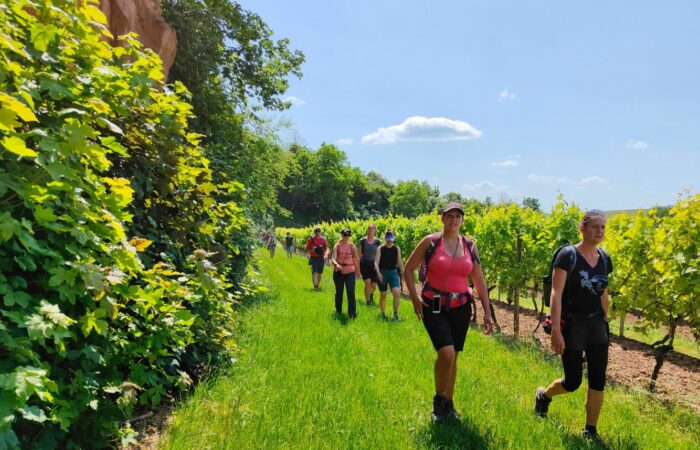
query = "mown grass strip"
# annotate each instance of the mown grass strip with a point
(310, 380)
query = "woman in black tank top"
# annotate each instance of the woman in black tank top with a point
(387, 265)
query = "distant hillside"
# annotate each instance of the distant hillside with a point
(629, 212)
(660, 211)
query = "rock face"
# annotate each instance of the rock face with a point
(144, 18)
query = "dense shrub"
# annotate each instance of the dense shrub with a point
(117, 258)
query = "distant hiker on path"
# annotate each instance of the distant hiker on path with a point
(346, 267)
(271, 244)
(317, 247)
(289, 244)
(368, 250)
(579, 311)
(444, 301)
(388, 267)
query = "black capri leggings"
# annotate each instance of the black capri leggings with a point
(597, 359)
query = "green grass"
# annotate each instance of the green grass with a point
(310, 380)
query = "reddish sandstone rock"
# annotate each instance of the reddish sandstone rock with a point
(144, 18)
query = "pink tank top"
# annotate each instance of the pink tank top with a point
(345, 257)
(449, 274)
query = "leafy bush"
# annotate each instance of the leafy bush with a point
(117, 259)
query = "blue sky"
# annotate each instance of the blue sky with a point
(597, 100)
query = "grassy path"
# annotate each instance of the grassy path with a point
(309, 380)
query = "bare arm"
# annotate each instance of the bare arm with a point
(399, 261)
(412, 264)
(483, 291)
(377, 258)
(334, 255)
(356, 260)
(558, 285)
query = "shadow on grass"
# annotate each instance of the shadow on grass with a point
(342, 319)
(575, 441)
(453, 434)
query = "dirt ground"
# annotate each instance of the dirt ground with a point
(630, 362)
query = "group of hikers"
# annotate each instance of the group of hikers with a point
(269, 241)
(378, 265)
(447, 261)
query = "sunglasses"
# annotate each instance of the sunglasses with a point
(346, 234)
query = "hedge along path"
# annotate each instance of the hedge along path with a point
(309, 380)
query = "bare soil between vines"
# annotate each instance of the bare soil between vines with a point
(630, 362)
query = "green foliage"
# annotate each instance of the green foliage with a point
(658, 268)
(655, 258)
(116, 248)
(413, 198)
(319, 184)
(228, 60)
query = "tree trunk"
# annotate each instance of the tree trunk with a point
(622, 324)
(662, 350)
(516, 291)
(496, 326)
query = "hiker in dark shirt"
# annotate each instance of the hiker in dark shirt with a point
(289, 244)
(579, 310)
(367, 248)
(388, 267)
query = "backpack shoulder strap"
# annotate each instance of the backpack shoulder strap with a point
(434, 242)
(604, 256)
(574, 257)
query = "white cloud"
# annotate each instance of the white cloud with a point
(344, 141)
(485, 186)
(547, 179)
(295, 101)
(637, 145)
(594, 180)
(508, 163)
(418, 128)
(505, 95)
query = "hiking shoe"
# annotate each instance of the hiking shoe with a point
(384, 317)
(541, 402)
(591, 434)
(439, 413)
(397, 318)
(450, 410)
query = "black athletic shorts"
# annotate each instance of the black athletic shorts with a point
(368, 272)
(449, 327)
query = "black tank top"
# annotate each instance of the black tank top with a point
(389, 257)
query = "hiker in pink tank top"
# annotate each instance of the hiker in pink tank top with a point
(444, 303)
(346, 266)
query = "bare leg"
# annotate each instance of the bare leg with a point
(445, 370)
(382, 302)
(555, 389)
(368, 288)
(397, 300)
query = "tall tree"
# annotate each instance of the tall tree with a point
(227, 58)
(411, 198)
(532, 203)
